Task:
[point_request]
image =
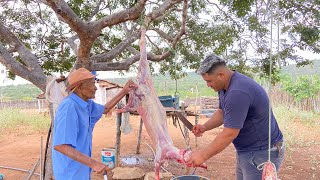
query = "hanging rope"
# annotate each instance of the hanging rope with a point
(278, 33)
(269, 169)
(270, 79)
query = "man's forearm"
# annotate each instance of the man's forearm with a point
(215, 121)
(75, 155)
(109, 105)
(222, 140)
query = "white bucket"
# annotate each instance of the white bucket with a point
(108, 157)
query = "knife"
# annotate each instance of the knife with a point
(184, 120)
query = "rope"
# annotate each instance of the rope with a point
(263, 165)
(278, 35)
(270, 79)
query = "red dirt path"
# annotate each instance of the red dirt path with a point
(22, 151)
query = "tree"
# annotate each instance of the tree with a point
(54, 36)
(34, 52)
(38, 37)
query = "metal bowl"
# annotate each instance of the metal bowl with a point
(190, 177)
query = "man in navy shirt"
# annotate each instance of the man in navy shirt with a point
(244, 112)
(74, 122)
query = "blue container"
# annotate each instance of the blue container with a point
(166, 101)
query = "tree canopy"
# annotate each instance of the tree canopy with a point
(39, 37)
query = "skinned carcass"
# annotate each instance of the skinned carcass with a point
(145, 101)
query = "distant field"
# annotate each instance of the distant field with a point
(187, 87)
(24, 92)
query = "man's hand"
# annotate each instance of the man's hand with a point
(130, 85)
(196, 159)
(198, 130)
(99, 167)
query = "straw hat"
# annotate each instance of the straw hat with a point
(77, 77)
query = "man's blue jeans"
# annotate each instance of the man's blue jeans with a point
(248, 162)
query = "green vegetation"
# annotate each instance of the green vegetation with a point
(164, 85)
(298, 127)
(24, 92)
(12, 120)
(186, 86)
(302, 87)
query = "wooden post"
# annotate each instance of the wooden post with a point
(41, 145)
(118, 136)
(139, 137)
(196, 121)
(47, 171)
(33, 170)
(39, 106)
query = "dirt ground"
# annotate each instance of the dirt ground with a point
(22, 151)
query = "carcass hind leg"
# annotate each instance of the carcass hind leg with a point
(157, 170)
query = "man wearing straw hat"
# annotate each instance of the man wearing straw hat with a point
(73, 125)
(244, 112)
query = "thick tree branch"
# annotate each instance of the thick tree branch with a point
(72, 44)
(124, 65)
(122, 16)
(117, 50)
(27, 57)
(36, 77)
(163, 35)
(161, 10)
(62, 9)
(132, 50)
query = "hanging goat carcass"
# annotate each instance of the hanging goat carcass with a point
(145, 101)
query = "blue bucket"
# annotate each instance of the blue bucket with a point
(166, 101)
(190, 177)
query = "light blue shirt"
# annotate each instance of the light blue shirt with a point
(73, 125)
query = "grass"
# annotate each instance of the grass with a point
(19, 121)
(299, 128)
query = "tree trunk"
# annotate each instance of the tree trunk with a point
(48, 172)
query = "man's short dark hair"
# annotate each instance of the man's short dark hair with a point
(210, 64)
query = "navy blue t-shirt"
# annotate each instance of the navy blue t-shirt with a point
(245, 106)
